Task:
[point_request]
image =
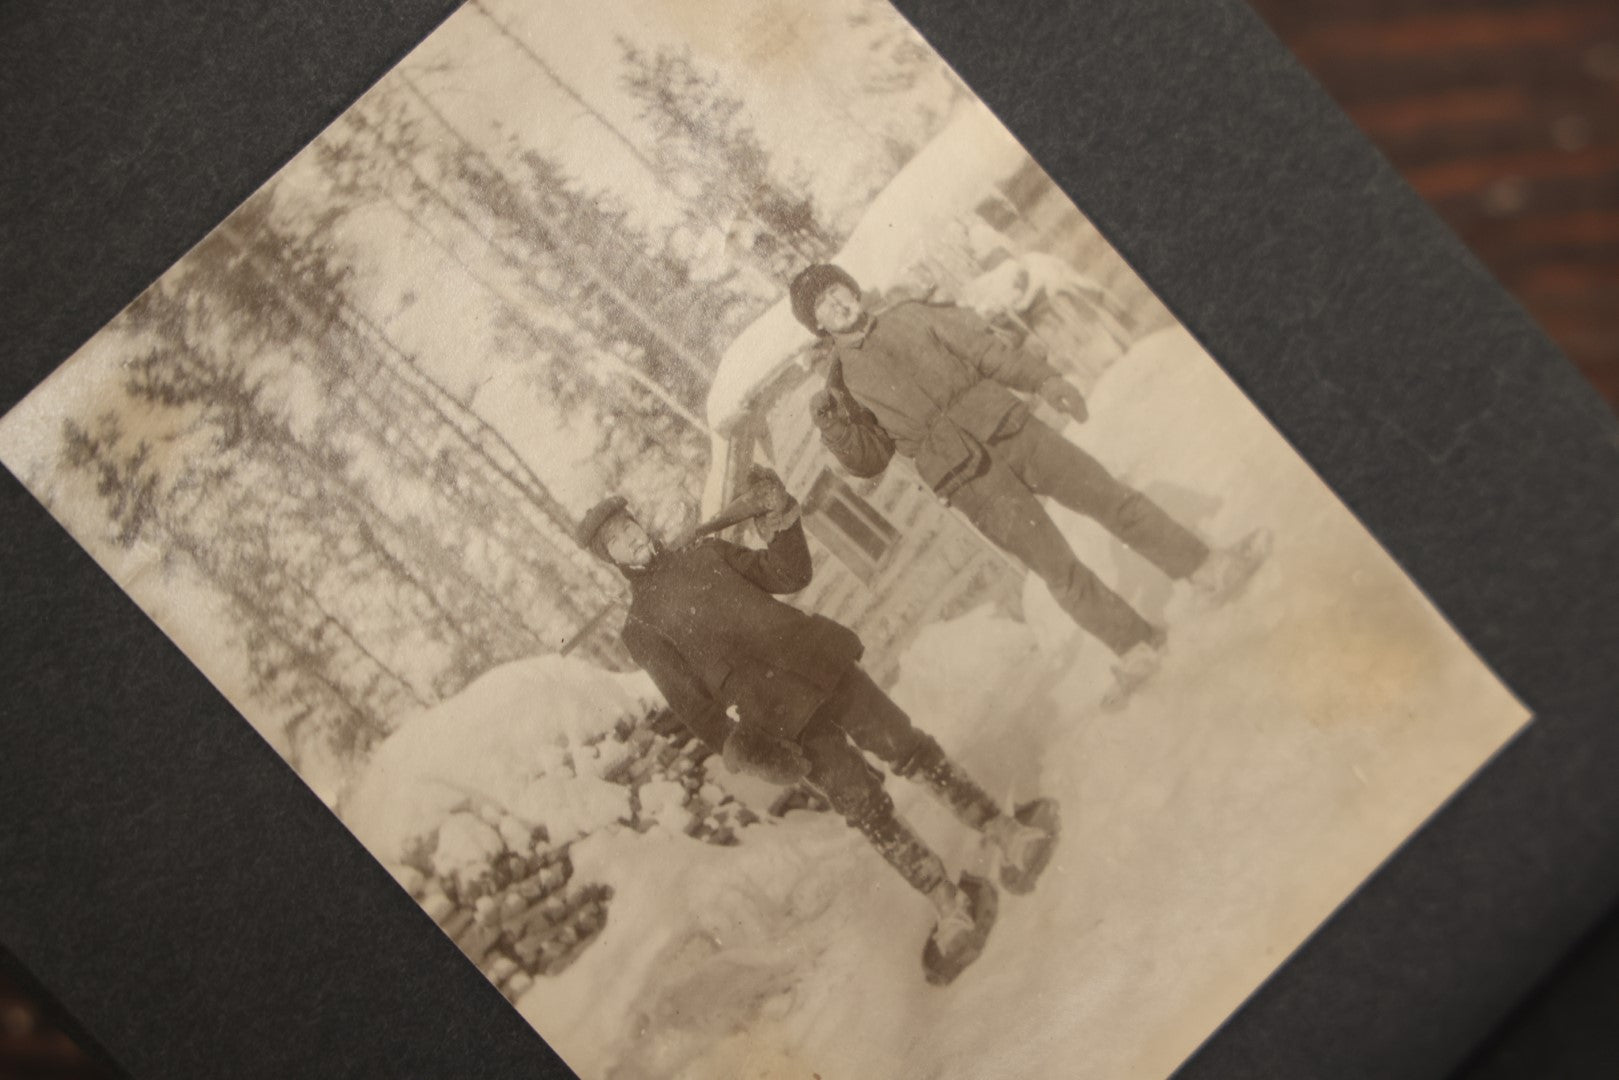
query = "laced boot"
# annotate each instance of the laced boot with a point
(905, 851)
(950, 784)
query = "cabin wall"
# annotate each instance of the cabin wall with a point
(937, 566)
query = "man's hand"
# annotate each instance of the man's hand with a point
(1065, 397)
(766, 485)
(779, 507)
(826, 411)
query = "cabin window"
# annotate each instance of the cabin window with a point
(849, 526)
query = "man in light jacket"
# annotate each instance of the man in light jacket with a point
(935, 383)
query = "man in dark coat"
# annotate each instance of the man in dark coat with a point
(779, 694)
(935, 383)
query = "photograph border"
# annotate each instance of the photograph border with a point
(1466, 443)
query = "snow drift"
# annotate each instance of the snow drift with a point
(501, 740)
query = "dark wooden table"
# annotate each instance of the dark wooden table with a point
(1503, 114)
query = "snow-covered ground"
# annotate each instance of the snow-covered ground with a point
(1292, 740)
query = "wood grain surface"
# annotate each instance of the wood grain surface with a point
(1503, 114)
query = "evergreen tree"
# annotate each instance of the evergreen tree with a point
(703, 135)
(376, 543)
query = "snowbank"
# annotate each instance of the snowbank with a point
(505, 733)
(952, 174)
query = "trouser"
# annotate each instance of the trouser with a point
(1003, 502)
(860, 716)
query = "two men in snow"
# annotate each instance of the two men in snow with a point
(779, 693)
(936, 384)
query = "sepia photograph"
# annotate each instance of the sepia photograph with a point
(718, 524)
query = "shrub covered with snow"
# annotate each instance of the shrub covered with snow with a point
(477, 804)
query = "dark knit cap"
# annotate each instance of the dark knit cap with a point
(808, 286)
(597, 518)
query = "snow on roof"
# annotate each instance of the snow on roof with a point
(758, 353)
(945, 179)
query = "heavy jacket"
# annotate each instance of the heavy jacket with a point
(938, 382)
(703, 624)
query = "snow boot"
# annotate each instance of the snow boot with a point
(900, 847)
(1227, 572)
(947, 782)
(1031, 846)
(1133, 670)
(959, 937)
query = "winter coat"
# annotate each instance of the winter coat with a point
(938, 382)
(703, 624)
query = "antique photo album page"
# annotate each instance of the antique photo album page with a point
(714, 519)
